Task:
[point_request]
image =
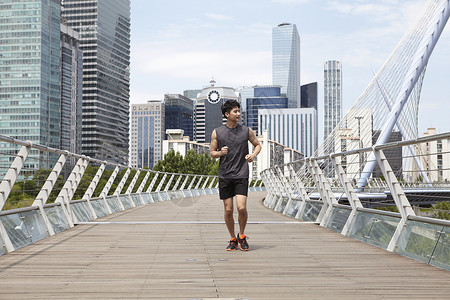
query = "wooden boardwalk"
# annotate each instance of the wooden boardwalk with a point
(176, 250)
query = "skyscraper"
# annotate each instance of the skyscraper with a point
(71, 90)
(30, 67)
(295, 128)
(179, 113)
(286, 62)
(309, 95)
(104, 27)
(147, 133)
(332, 96)
(263, 97)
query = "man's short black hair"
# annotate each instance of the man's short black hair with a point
(229, 105)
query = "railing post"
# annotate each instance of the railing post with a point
(11, 175)
(69, 188)
(324, 190)
(185, 181)
(349, 191)
(120, 186)
(302, 193)
(47, 188)
(191, 184)
(166, 188)
(4, 234)
(131, 186)
(177, 183)
(108, 186)
(150, 187)
(402, 203)
(198, 182)
(282, 187)
(205, 183)
(142, 185)
(277, 188)
(90, 191)
(161, 183)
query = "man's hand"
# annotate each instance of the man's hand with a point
(249, 158)
(224, 150)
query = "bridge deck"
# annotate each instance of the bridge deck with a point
(135, 255)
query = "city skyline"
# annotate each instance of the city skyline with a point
(243, 55)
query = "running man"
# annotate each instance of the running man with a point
(230, 143)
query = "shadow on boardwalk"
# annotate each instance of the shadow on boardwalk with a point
(176, 250)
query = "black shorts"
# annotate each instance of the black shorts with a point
(230, 187)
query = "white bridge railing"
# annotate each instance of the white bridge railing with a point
(301, 190)
(125, 188)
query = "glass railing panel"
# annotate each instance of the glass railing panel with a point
(136, 199)
(425, 242)
(34, 225)
(164, 196)
(81, 211)
(361, 226)
(441, 255)
(155, 197)
(215, 191)
(126, 202)
(293, 207)
(374, 229)
(281, 204)
(186, 193)
(14, 226)
(113, 203)
(146, 198)
(272, 201)
(57, 218)
(99, 208)
(311, 211)
(171, 195)
(338, 218)
(2, 246)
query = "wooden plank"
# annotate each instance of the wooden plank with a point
(116, 260)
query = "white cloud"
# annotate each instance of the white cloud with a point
(292, 2)
(229, 67)
(220, 17)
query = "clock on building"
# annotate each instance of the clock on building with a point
(213, 97)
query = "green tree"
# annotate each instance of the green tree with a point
(442, 210)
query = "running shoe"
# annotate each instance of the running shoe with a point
(242, 239)
(232, 244)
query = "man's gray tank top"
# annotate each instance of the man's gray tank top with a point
(233, 165)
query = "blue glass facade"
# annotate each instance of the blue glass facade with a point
(286, 62)
(264, 98)
(180, 114)
(30, 74)
(104, 27)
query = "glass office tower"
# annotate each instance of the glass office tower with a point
(30, 75)
(263, 97)
(286, 62)
(179, 113)
(104, 27)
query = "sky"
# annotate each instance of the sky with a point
(178, 45)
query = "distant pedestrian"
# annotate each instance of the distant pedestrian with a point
(230, 143)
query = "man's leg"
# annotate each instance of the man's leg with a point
(241, 203)
(228, 215)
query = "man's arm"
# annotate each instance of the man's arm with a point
(213, 151)
(255, 142)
